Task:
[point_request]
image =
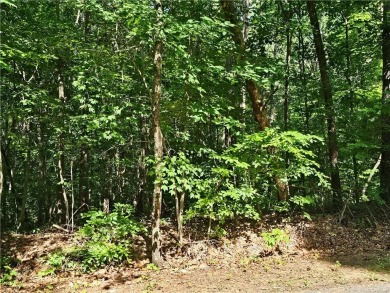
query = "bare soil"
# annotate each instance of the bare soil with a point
(321, 256)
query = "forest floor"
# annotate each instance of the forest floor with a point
(320, 256)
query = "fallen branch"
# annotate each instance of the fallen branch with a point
(60, 228)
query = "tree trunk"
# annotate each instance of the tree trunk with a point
(257, 99)
(352, 110)
(142, 200)
(287, 14)
(302, 72)
(158, 139)
(329, 110)
(83, 178)
(385, 163)
(61, 149)
(179, 215)
(26, 181)
(1, 175)
(43, 200)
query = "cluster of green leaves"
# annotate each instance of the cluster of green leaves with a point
(7, 272)
(55, 261)
(106, 240)
(237, 185)
(180, 176)
(108, 237)
(275, 237)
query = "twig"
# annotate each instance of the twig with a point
(372, 172)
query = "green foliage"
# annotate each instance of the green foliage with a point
(152, 267)
(267, 151)
(238, 183)
(179, 175)
(107, 237)
(218, 197)
(218, 232)
(382, 264)
(113, 227)
(7, 272)
(103, 50)
(275, 237)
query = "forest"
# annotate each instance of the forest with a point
(122, 118)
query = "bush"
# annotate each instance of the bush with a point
(107, 237)
(7, 272)
(275, 237)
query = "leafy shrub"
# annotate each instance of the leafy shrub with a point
(275, 237)
(55, 261)
(218, 197)
(107, 237)
(7, 272)
(239, 183)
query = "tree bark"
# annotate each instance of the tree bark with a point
(158, 139)
(385, 163)
(328, 98)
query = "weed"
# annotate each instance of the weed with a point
(108, 238)
(152, 267)
(7, 272)
(275, 237)
(149, 287)
(382, 264)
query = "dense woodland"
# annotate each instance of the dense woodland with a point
(184, 109)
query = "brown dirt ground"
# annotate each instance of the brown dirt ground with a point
(320, 254)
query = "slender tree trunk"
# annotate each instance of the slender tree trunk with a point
(142, 200)
(1, 174)
(83, 178)
(352, 110)
(179, 202)
(385, 163)
(61, 149)
(61, 164)
(64, 215)
(2, 202)
(26, 181)
(302, 73)
(287, 17)
(83, 160)
(158, 139)
(43, 201)
(109, 195)
(329, 109)
(107, 189)
(72, 197)
(257, 99)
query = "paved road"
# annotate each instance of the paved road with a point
(368, 288)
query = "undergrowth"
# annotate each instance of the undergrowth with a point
(105, 239)
(7, 271)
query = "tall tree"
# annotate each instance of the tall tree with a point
(258, 100)
(328, 99)
(385, 163)
(158, 138)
